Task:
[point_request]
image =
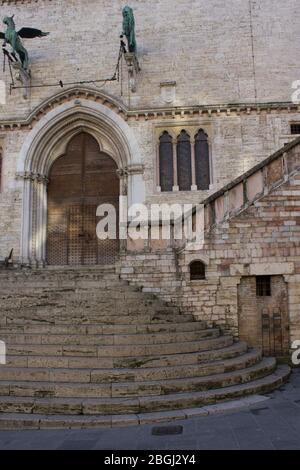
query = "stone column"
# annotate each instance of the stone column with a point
(158, 187)
(136, 184)
(41, 219)
(34, 219)
(123, 208)
(25, 251)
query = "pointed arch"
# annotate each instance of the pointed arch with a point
(166, 170)
(48, 140)
(184, 161)
(202, 163)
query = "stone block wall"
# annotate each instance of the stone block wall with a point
(261, 238)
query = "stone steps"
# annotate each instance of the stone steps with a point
(133, 350)
(144, 404)
(107, 375)
(69, 389)
(109, 339)
(64, 319)
(84, 347)
(183, 359)
(97, 328)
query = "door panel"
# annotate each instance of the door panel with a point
(75, 235)
(263, 315)
(79, 181)
(57, 236)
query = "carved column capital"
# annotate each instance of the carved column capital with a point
(31, 176)
(122, 173)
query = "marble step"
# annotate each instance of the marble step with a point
(144, 404)
(163, 361)
(133, 350)
(98, 375)
(108, 339)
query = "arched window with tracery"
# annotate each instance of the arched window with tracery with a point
(202, 167)
(166, 170)
(184, 161)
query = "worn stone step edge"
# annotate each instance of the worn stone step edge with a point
(141, 405)
(24, 421)
(145, 389)
(66, 362)
(121, 350)
(109, 339)
(104, 329)
(85, 318)
(98, 375)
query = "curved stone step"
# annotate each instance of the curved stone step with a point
(97, 328)
(98, 375)
(69, 389)
(115, 406)
(119, 350)
(87, 318)
(74, 362)
(225, 352)
(108, 339)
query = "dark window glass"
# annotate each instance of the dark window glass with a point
(202, 160)
(295, 128)
(263, 286)
(166, 162)
(197, 271)
(184, 165)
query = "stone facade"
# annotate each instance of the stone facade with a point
(234, 66)
(225, 68)
(258, 236)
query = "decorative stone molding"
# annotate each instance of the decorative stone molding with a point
(153, 114)
(168, 92)
(136, 169)
(29, 175)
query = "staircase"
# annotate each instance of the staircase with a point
(86, 349)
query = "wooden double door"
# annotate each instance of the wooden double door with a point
(80, 181)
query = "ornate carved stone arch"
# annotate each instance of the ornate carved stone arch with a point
(48, 141)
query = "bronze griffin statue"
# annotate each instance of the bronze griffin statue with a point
(129, 28)
(13, 38)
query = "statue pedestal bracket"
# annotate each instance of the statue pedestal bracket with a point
(133, 69)
(24, 77)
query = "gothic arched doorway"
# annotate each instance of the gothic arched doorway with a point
(79, 181)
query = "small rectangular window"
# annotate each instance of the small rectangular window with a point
(295, 129)
(263, 286)
(197, 271)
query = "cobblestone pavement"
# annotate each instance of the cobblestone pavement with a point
(273, 423)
